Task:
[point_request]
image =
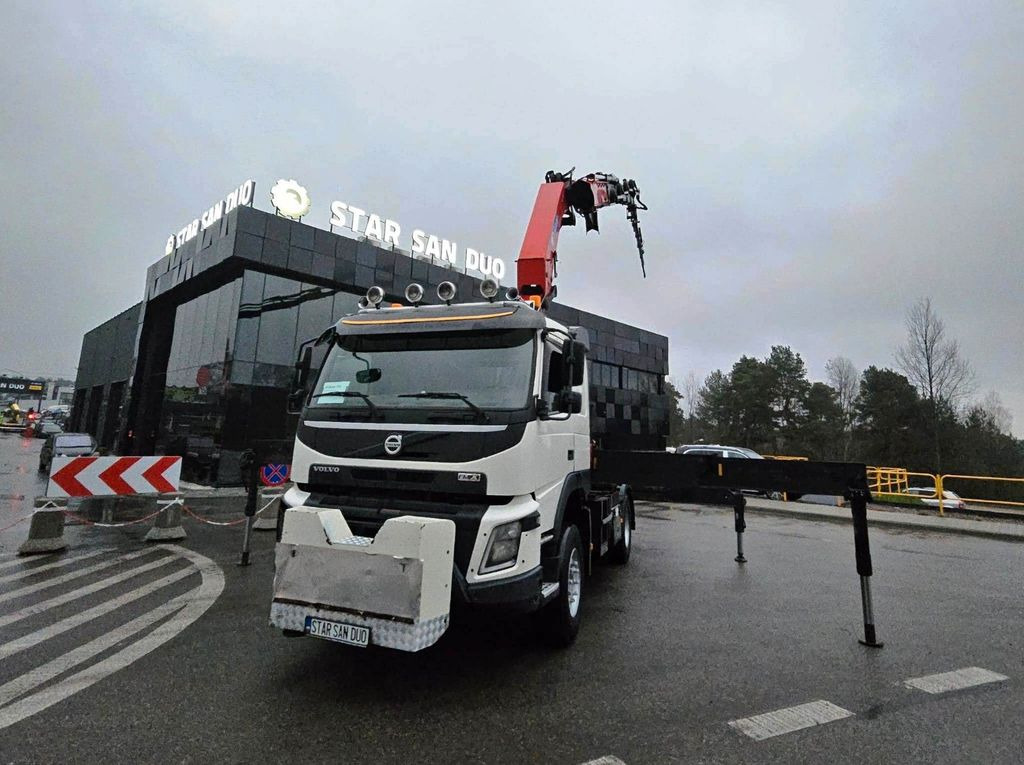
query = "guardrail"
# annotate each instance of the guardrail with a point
(956, 477)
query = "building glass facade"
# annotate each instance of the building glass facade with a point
(203, 366)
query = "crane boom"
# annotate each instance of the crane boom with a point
(559, 200)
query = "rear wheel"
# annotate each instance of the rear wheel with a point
(560, 619)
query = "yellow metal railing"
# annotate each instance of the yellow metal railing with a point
(890, 480)
(943, 478)
(784, 457)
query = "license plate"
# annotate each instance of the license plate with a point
(338, 631)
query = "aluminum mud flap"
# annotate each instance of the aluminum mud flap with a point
(397, 584)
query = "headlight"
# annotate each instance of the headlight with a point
(503, 548)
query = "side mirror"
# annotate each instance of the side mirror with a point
(571, 402)
(579, 362)
(299, 380)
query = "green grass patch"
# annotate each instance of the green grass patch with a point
(897, 499)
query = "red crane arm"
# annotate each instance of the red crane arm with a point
(558, 200)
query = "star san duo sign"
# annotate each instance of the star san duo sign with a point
(387, 231)
(243, 195)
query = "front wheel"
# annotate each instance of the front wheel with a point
(620, 553)
(560, 619)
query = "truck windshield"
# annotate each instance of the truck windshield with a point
(494, 370)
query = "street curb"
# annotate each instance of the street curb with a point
(987, 529)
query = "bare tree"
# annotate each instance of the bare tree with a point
(1000, 416)
(933, 363)
(931, 360)
(689, 389)
(844, 378)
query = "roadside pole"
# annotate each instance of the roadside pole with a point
(739, 503)
(247, 464)
(862, 548)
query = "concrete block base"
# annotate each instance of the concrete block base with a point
(167, 527)
(46, 532)
(267, 520)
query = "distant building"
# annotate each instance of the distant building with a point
(202, 366)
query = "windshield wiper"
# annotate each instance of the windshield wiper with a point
(351, 394)
(443, 395)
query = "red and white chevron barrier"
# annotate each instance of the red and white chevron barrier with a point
(113, 476)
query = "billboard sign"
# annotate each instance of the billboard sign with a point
(20, 387)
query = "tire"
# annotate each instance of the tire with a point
(43, 468)
(620, 553)
(560, 619)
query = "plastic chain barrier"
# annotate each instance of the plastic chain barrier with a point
(87, 522)
(235, 522)
(12, 525)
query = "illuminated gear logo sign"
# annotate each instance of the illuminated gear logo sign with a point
(393, 444)
(290, 199)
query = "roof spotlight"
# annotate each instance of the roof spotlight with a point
(414, 293)
(446, 292)
(363, 302)
(512, 294)
(375, 296)
(489, 288)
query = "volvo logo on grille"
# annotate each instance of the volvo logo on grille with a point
(393, 444)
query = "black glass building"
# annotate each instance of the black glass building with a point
(202, 366)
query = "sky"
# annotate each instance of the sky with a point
(811, 169)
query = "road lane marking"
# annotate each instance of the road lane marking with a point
(58, 628)
(63, 562)
(197, 601)
(29, 589)
(956, 680)
(771, 724)
(81, 592)
(608, 759)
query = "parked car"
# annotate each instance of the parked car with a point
(731, 453)
(46, 428)
(928, 497)
(65, 445)
(717, 450)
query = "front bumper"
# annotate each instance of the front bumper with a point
(516, 593)
(387, 633)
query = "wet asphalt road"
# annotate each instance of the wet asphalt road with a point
(675, 645)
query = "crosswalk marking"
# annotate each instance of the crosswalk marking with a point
(58, 628)
(178, 614)
(956, 680)
(50, 566)
(71, 659)
(57, 580)
(81, 592)
(770, 724)
(20, 561)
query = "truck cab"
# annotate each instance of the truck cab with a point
(474, 413)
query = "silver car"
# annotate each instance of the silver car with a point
(65, 445)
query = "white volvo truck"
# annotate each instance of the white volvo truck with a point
(474, 415)
(443, 453)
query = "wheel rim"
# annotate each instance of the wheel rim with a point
(575, 583)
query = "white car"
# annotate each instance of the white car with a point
(928, 497)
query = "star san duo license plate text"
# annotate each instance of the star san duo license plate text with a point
(350, 634)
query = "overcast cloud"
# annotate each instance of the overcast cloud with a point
(811, 170)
